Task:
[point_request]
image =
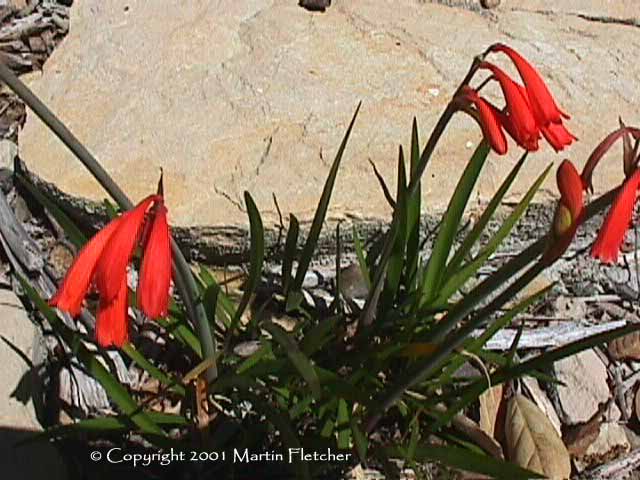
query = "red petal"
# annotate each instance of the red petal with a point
(526, 127)
(155, 274)
(112, 324)
(489, 121)
(557, 136)
(597, 154)
(77, 281)
(611, 235)
(570, 187)
(543, 105)
(113, 262)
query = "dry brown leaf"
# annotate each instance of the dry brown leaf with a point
(627, 347)
(489, 405)
(637, 403)
(532, 442)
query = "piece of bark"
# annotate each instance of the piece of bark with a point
(625, 348)
(547, 337)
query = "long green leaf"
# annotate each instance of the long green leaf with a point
(458, 278)
(484, 219)
(466, 460)
(435, 267)
(101, 426)
(182, 332)
(289, 254)
(321, 212)
(362, 261)
(397, 257)
(112, 386)
(173, 385)
(299, 360)
(413, 213)
(256, 257)
(288, 434)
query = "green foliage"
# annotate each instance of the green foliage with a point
(297, 375)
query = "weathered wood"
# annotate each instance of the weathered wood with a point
(548, 337)
(618, 468)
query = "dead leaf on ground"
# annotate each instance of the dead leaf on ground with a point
(532, 441)
(637, 403)
(489, 405)
(627, 347)
(541, 399)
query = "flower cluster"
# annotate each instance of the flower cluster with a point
(530, 111)
(103, 263)
(569, 212)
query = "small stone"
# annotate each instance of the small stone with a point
(315, 5)
(489, 3)
(584, 388)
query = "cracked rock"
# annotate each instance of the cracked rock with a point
(585, 387)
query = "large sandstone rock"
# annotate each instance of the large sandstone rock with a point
(256, 95)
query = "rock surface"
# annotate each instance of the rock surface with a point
(232, 96)
(17, 416)
(584, 386)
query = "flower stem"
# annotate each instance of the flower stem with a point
(185, 283)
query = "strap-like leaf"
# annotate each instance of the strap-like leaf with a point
(299, 360)
(321, 212)
(289, 254)
(256, 258)
(467, 460)
(484, 219)
(435, 267)
(458, 278)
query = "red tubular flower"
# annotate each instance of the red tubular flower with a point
(569, 211)
(489, 121)
(525, 128)
(542, 103)
(611, 235)
(112, 326)
(104, 260)
(112, 265)
(557, 136)
(78, 279)
(155, 274)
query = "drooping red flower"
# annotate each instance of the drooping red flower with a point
(112, 265)
(525, 130)
(155, 273)
(103, 261)
(112, 325)
(611, 235)
(543, 105)
(569, 211)
(489, 121)
(78, 279)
